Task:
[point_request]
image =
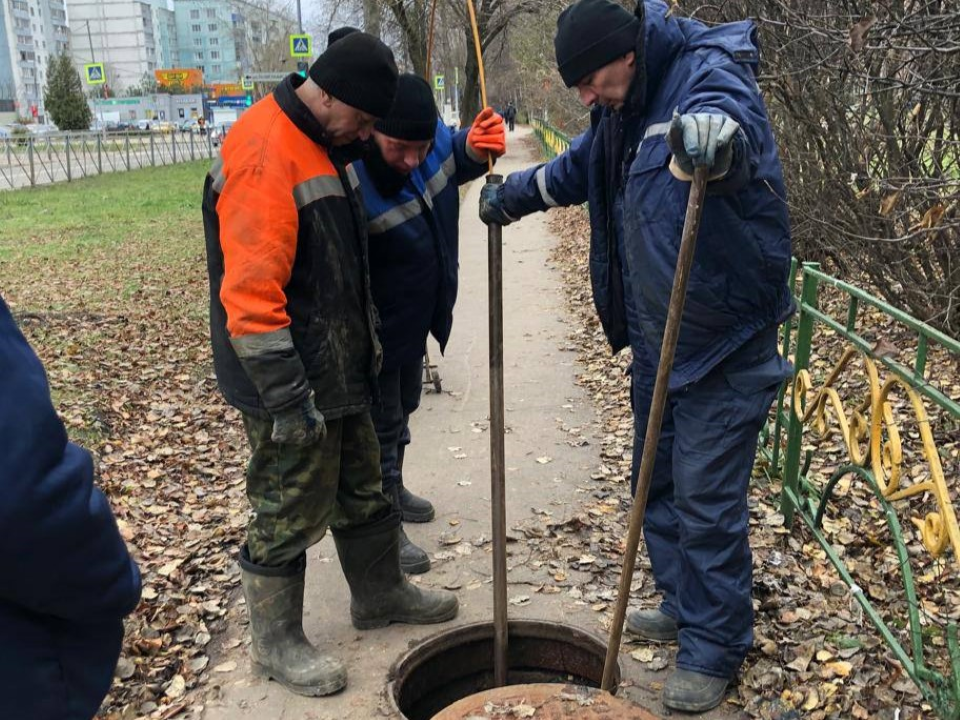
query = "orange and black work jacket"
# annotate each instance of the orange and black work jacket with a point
(290, 303)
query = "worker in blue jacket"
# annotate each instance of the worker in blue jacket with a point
(68, 579)
(668, 91)
(409, 181)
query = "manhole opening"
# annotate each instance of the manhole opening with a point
(457, 663)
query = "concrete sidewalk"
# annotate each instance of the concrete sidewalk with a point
(448, 462)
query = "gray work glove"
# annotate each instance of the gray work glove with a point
(492, 209)
(703, 140)
(300, 425)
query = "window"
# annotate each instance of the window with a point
(216, 69)
(214, 54)
(202, 68)
(195, 28)
(213, 41)
(199, 56)
(194, 14)
(212, 27)
(198, 42)
(211, 13)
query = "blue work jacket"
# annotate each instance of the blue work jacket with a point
(414, 248)
(66, 579)
(738, 284)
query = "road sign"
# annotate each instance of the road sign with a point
(95, 73)
(265, 77)
(246, 83)
(300, 46)
(438, 82)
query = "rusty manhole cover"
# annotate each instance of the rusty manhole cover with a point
(543, 701)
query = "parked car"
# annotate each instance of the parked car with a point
(42, 128)
(162, 126)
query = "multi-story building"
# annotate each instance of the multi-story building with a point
(132, 38)
(228, 38)
(30, 32)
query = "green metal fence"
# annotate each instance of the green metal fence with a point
(811, 407)
(552, 141)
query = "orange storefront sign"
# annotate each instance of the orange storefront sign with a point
(226, 89)
(182, 77)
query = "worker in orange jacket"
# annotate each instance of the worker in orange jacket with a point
(295, 349)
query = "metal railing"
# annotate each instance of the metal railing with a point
(31, 160)
(552, 141)
(874, 430)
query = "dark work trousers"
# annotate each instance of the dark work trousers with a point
(697, 525)
(399, 397)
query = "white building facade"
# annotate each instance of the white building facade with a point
(30, 32)
(132, 38)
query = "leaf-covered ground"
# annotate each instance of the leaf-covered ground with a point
(107, 277)
(815, 655)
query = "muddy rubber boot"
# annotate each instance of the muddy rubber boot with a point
(652, 625)
(693, 692)
(380, 593)
(280, 651)
(413, 560)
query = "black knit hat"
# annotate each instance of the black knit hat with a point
(360, 71)
(414, 112)
(591, 34)
(340, 34)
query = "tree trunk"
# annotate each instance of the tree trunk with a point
(372, 19)
(470, 98)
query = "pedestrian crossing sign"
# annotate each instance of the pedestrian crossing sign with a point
(300, 46)
(95, 73)
(438, 82)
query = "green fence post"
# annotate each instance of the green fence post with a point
(791, 470)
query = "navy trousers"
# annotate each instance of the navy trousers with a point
(697, 525)
(400, 391)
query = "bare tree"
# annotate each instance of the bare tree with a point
(494, 17)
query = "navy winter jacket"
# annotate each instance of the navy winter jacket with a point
(738, 285)
(414, 248)
(66, 579)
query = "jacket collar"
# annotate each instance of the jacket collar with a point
(658, 43)
(297, 111)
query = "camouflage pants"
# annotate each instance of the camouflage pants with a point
(297, 493)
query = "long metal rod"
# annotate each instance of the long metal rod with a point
(498, 500)
(678, 296)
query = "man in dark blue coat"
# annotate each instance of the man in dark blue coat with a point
(409, 181)
(68, 578)
(670, 94)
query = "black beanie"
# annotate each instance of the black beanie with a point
(414, 112)
(358, 70)
(591, 34)
(340, 34)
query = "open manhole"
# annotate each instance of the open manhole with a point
(458, 663)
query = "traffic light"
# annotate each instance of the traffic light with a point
(249, 99)
(302, 68)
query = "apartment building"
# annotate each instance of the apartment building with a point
(30, 32)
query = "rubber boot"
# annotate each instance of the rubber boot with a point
(415, 509)
(693, 692)
(652, 625)
(413, 560)
(380, 593)
(280, 651)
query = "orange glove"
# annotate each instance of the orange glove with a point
(487, 135)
